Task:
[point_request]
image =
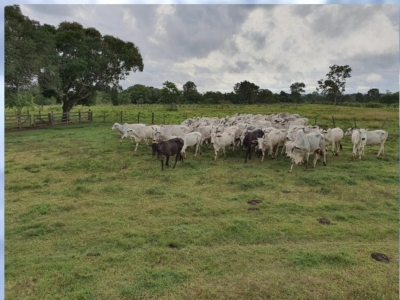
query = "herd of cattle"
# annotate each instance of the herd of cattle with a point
(271, 134)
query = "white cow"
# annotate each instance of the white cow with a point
(333, 136)
(122, 129)
(139, 134)
(165, 132)
(292, 132)
(205, 132)
(375, 137)
(191, 139)
(221, 140)
(306, 144)
(359, 140)
(270, 141)
(288, 147)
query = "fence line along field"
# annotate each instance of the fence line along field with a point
(86, 217)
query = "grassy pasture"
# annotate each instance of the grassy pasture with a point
(88, 218)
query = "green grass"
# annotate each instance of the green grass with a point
(188, 233)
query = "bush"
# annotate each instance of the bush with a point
(172, 107)
(373, 105)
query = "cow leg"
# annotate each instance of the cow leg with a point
(307, 159)
(178, 155)
(215, 152)
(223, 149)
(197, 149)
(262, 157)
(354, 150)
(162, 164)
(137, 144)
(183, 153)
(316, 157)
(291, 166)
(167, 160)
(380, 150)
(276, 151)
(247, 154)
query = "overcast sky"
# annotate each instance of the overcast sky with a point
(273, 46)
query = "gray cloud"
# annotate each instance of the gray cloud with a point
(273, 45)
(348, 19)
(196, 30)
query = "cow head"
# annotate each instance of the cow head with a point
(155, 147)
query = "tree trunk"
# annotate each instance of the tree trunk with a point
(66, 109)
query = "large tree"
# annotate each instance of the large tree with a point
(335, 83)
(247, 91)
(169, 94)
(211, 97)
(88, 62)
(190, 93)
(266, 96)
(373, 95)
(138, 94)
(27, 49)
(295, 91)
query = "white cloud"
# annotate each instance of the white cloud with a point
(128, 20)
(374, 77)
(273, 46)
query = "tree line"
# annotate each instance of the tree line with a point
(72, 65)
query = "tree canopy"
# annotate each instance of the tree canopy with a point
(335, 83)
(89, 62)
(247, 91)
(27, 49)
(296, 89)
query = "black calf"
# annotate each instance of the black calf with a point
(250, 139)
(165, 149)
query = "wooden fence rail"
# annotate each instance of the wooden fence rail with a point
(27, 120)
(19, 120)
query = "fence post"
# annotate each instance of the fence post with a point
(333, 120)
(152, 118)
(355, 123)
(138, 117)
(315, 121)
(18, 114)
(90, 115)
(163, 119)
(121, 117)
(384, 123)
(50, 119)
(67, 115)
(79, 116)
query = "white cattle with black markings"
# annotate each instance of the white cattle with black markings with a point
(305, 145)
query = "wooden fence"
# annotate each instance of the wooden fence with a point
(27, 120)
